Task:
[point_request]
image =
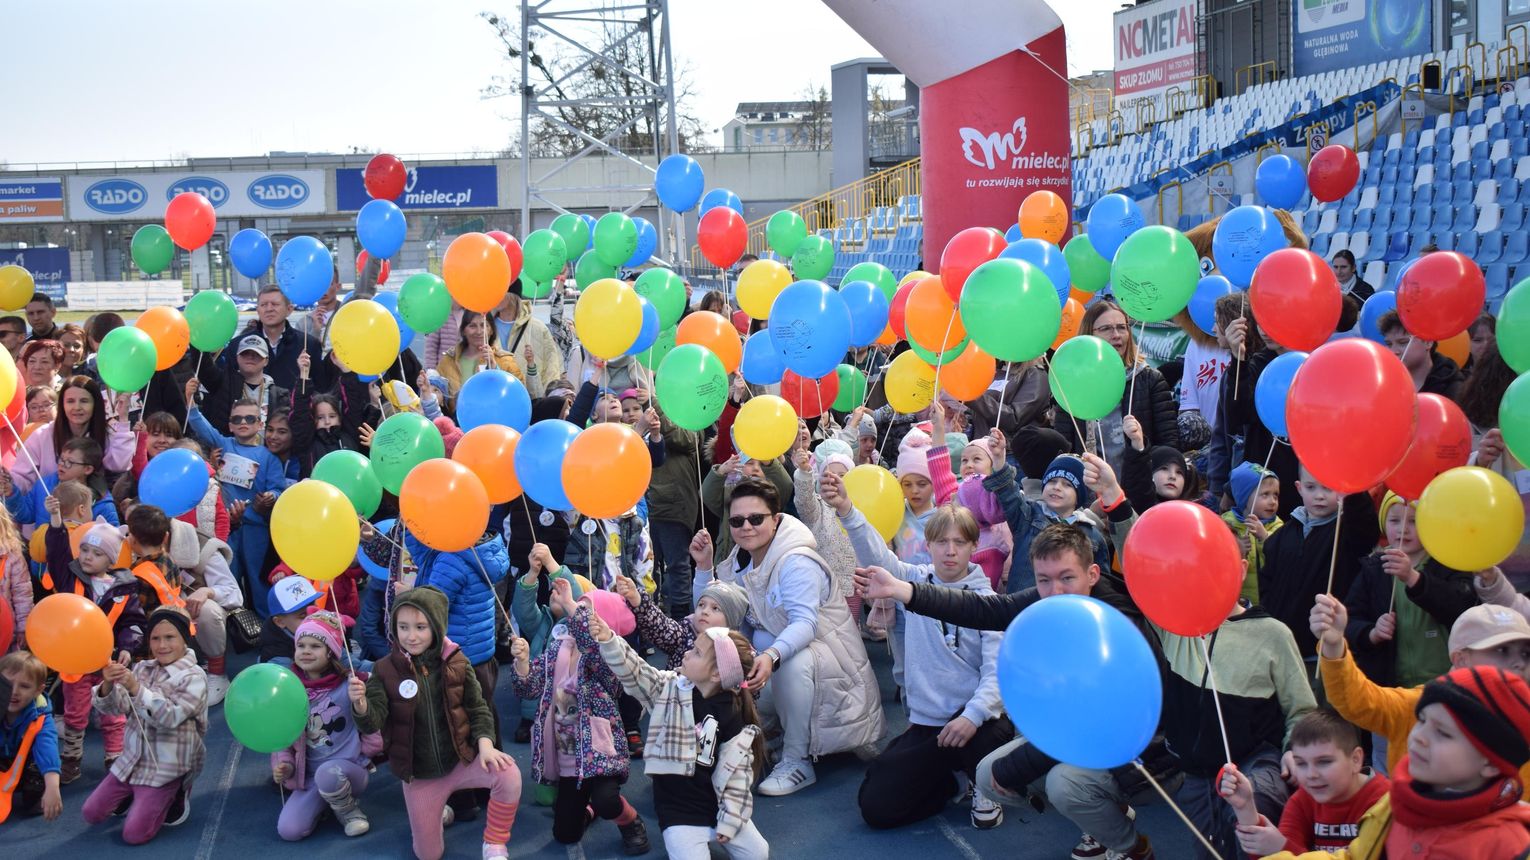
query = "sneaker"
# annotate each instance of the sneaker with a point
(963, 787)
(68, 770)
(217, 689)
(1088, 848)
(448, 817)
(634, 745)
(986, 814)
(180, 810)
(352, 819)
(523, 732)
(1143, 850)
(495, 850)
(634, 837)
(788, 777)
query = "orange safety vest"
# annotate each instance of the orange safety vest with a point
(11, 778)
(169, 595)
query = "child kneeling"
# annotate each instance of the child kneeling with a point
(426, 673)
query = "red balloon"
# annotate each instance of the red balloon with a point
(1442, 441)
(384, 177)
(382, 274)
(16, 413)
(741, 322)
(1350, 412)
(1296, 299)
(512, 250)
(1333, 172)
(723, 236)
(1440, 295)
(1183, 567)
(7, 624)
(897, 315)
(966, 251)
(190, 219)
(810, 398)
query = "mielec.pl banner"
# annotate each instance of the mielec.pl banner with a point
(1155, 49)
(1340, 34)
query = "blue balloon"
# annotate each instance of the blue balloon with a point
(1243, 238)
(868, 311)
(174, 481)
(589, 230)
(1372, 311)
(493, 397)
(405, 333)
(381, 227)
(721, 197)
(761, 364)
(1065, 666)
(649, 333)
(1203, 301)
(539, 462)
(1111, 219)
(304, 270)
(1270, 391)
(250, 252)
(648, 242)
(1049, 259)
(679, 182)
(1013, 234)
(810, 328)
(373, 569)
(1280, 181)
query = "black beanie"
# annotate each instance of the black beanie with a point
(176, 617)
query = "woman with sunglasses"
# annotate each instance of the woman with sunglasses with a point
(821, 693)
(82, 411)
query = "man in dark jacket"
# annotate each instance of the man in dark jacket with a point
(245, 377)
(284, 342)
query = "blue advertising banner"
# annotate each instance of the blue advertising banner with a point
(1341, 34)
(49, 267)
(470, 186)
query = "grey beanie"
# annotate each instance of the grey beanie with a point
(733, 600)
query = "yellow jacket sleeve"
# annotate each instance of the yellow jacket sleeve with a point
(1385, 710)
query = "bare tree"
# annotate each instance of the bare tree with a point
(815, 128)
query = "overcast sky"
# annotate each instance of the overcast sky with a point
(164, 79)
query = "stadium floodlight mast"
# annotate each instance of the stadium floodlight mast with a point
(628, 38)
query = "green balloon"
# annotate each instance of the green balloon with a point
(152, 249)
(929, 357)
(266, 707)
(1087, 377)
(1514, 328)
(653, 356)
(784, 232)
(852, 388)
(616, 238)
(543, 256)
(575, 233)
(665, 290)
(126, 359)
(692, 386)
(1514, 418)
(351, 473)
(401, 443)
(1088, 269)
(424, 303)
(1010, 308)
(534, 290)
(212, 318)
(813, 259)
(876, 273)
(1155, 273)
(590, 269)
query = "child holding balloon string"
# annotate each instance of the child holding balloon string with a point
(1252, 518)
(976, 462)
(80, 460)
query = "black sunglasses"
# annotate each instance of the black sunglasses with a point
(244, 419)
(755, 520)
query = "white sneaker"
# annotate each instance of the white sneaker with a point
(788, 777)
(1088, 848)
(986, 814)
(495, 851)
(217, 689)
(448, 817)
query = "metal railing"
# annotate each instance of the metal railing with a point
(1244, 77)
(1512, 71)
(1469, 83)
(1178, 187)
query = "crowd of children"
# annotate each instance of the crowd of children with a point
(1360, 696)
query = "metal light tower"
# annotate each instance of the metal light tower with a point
(601, 33)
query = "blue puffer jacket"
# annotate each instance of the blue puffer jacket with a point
(471, 611)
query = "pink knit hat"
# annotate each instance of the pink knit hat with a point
(450, 433)
(913, 454)
(323, 626)
(612, 609)
(984, 443)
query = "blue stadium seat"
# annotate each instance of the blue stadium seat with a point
(1310, 221)
(1420, 239)
(1467, 244)
(1346, 218)
(1503, 169)
(1480, 151)
(1511, 113)
(1497, 282)
(1517, 249)
(1489, 247)
(1386, 195)
(1508, 188)
(1401, 216)
(1423, 197)
(1460, 193)
(1519, 146)
(1445, 240)
(1319, 244)
(1466, 218)
(1513, 218)
(1364, 219)
(1462, 172)
(1440, 222)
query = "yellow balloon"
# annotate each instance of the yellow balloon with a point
(608, 317)
(1470, 518)
(315, 530)
(766, 427)
(16, 287)
(910, 384)
(8, 374)
(876, 494)
(916, 275)
(365, 336)
(759, 284)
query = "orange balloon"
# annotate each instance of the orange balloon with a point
(1043, 215)
(444, 504)
(968, 375)
(70, 634)
(171, 334)
(710, 330)
(931, 318)
(606, 470)
(489, 452)
(476, 271)
(1080, 296)
(887, 338)
(1457, 348)
(1072, 317)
